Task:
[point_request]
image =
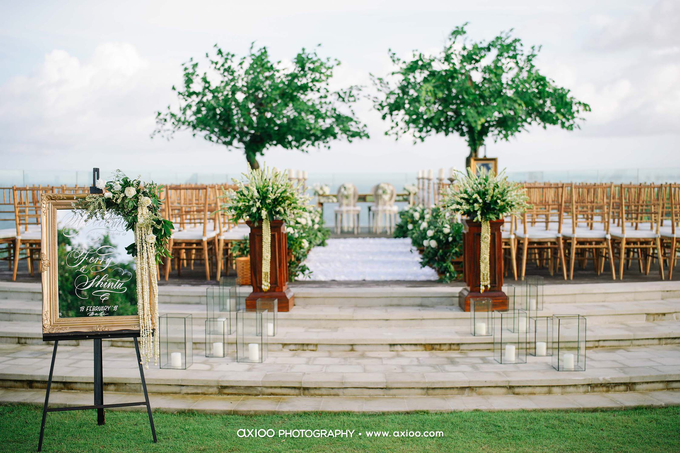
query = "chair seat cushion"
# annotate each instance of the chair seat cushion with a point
(194, 234)
(634, 234)
(538, 234)
(584, 233)
(665, 231)
(235, 234)
(8, 233)
(384, 208)
(34, 233)
(348, 209)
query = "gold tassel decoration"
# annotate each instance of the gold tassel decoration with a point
(147, 288)
(485, 245)
(266, 251)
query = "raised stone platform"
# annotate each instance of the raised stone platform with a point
(398, 348)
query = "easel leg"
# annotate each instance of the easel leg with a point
(146, 394)
(98, 380)
(47, 396)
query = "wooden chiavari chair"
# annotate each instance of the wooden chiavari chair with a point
(28, 228)
(541, 227)
(197, 225)
(669, 230)
(8, 231)
(71, 190)
(588, 231)
(509, 245)
(640, 212)
(232, 232)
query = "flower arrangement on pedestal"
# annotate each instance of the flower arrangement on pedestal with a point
(139, 204)
(321, 190)
(262, 196)
(485, 197)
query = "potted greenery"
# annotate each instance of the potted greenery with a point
(266, 199)
(484, 200)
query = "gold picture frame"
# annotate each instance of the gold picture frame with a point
(489, 164)
(52, 323)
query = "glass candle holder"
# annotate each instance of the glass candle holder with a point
(540, 336)
(534, 294)
(176, 341)
(514, 292)
(569, 342)
(509, 346)
(216, 332)
(221, 304)
(251, 336)
(271, 306)
(481, 316)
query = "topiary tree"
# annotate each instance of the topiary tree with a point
(255, 104)
(475, 90)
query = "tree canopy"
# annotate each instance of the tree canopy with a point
(475, 90)
(254, 103)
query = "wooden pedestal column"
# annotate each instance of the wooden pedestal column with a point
(472, 235)
(278, 279)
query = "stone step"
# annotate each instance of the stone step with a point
(398, 374)
(413, 295)
(402, 295)
(250, 405)
(323, 316)
(391, 339)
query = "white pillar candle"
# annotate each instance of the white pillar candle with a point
(509, 352)
(480, 328)
(568, 362)
(291, 173)
(533, 304)
(441, 173)
(254, 352)
(176, 360)
(420, 174)
(522, 324)
(270, 329)
(452, 172)
(541, 348)
(304, 174)
(218, 349)
(299, 174)
(430, 174)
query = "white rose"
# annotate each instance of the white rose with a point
(130, 192)
(305, 244)
(151, 239)
(410, 226)
(145, 201)
(423, 225)
(430, 233)
(302, 221)
(416, 215)
(100, 184)
(447, 230)
(116, 187)
(433, 244)
(426, 242)
(108, 195)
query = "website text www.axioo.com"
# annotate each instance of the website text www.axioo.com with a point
(324, 433)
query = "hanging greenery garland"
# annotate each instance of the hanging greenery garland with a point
(139, 204)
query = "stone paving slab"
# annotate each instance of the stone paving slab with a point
(284, 405)
(371, 373)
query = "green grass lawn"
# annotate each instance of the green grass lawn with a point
(648, 430)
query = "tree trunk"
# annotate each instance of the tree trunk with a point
(252, 160)
(474, 152)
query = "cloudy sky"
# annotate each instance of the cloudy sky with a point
(80, 81)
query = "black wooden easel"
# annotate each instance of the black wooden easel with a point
(98, 378)
(96, 337)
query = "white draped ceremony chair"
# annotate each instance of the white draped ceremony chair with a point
(383, 213)
(347, 213)
(28, 228)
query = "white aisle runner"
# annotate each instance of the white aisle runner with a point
(376, 259)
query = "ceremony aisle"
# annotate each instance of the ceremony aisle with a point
(373, 259)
